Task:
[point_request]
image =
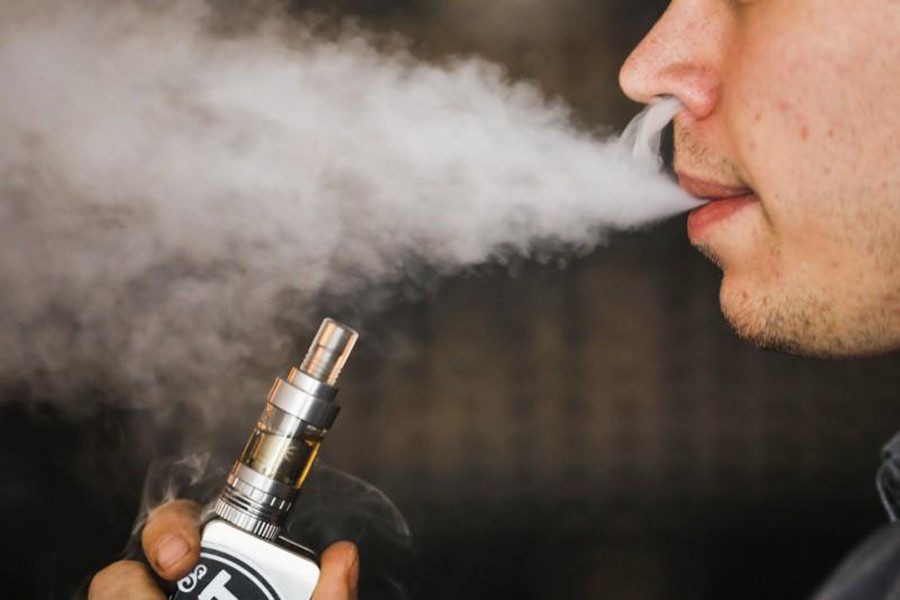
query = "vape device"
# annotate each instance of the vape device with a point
(242, 555)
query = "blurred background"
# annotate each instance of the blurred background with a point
(580, 432)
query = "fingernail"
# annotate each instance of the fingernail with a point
(170, 549)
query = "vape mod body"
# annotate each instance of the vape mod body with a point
(242, 556)
(236, 565)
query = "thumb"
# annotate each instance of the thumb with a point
(171, 538)
(340, 573)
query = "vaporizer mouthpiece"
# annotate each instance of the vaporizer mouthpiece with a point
(329, 351)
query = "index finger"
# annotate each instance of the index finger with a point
(171, 538)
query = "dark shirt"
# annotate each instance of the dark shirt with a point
(872, 571)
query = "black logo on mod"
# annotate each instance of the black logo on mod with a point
(219, 576)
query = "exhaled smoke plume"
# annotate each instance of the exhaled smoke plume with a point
(167, 192)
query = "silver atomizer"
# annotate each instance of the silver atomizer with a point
(242, 556)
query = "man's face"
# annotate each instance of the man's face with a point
(792, 111)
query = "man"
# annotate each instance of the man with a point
(791, 128)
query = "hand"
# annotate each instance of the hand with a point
(171, 540)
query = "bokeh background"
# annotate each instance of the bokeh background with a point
(579, 431)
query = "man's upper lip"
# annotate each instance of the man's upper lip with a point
(710, 190)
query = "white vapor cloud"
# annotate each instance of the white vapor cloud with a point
(170, 194)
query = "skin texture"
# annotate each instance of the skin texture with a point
(799, 101)
(171, 540)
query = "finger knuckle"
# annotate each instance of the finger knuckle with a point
(110, 580)
(178, 508)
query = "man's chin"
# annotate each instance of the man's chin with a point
(764, 338)
(753, 318)
(755, 304)
(798, 326)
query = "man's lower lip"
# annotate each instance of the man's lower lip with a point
(702, 219)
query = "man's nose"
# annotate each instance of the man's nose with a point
(681, 56)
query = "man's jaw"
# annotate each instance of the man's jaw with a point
(723, 200)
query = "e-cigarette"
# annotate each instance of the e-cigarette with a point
(243, 556)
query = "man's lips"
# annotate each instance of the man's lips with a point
(723, 201)
(708, 190)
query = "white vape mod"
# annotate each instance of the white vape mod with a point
(242, 556)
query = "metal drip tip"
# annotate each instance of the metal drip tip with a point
(329, 351)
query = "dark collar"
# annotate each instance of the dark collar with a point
(888, 479)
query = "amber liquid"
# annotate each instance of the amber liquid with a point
(285, 459)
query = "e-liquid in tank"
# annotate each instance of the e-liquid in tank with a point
(242, 556)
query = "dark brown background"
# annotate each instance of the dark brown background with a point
(588, 432)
